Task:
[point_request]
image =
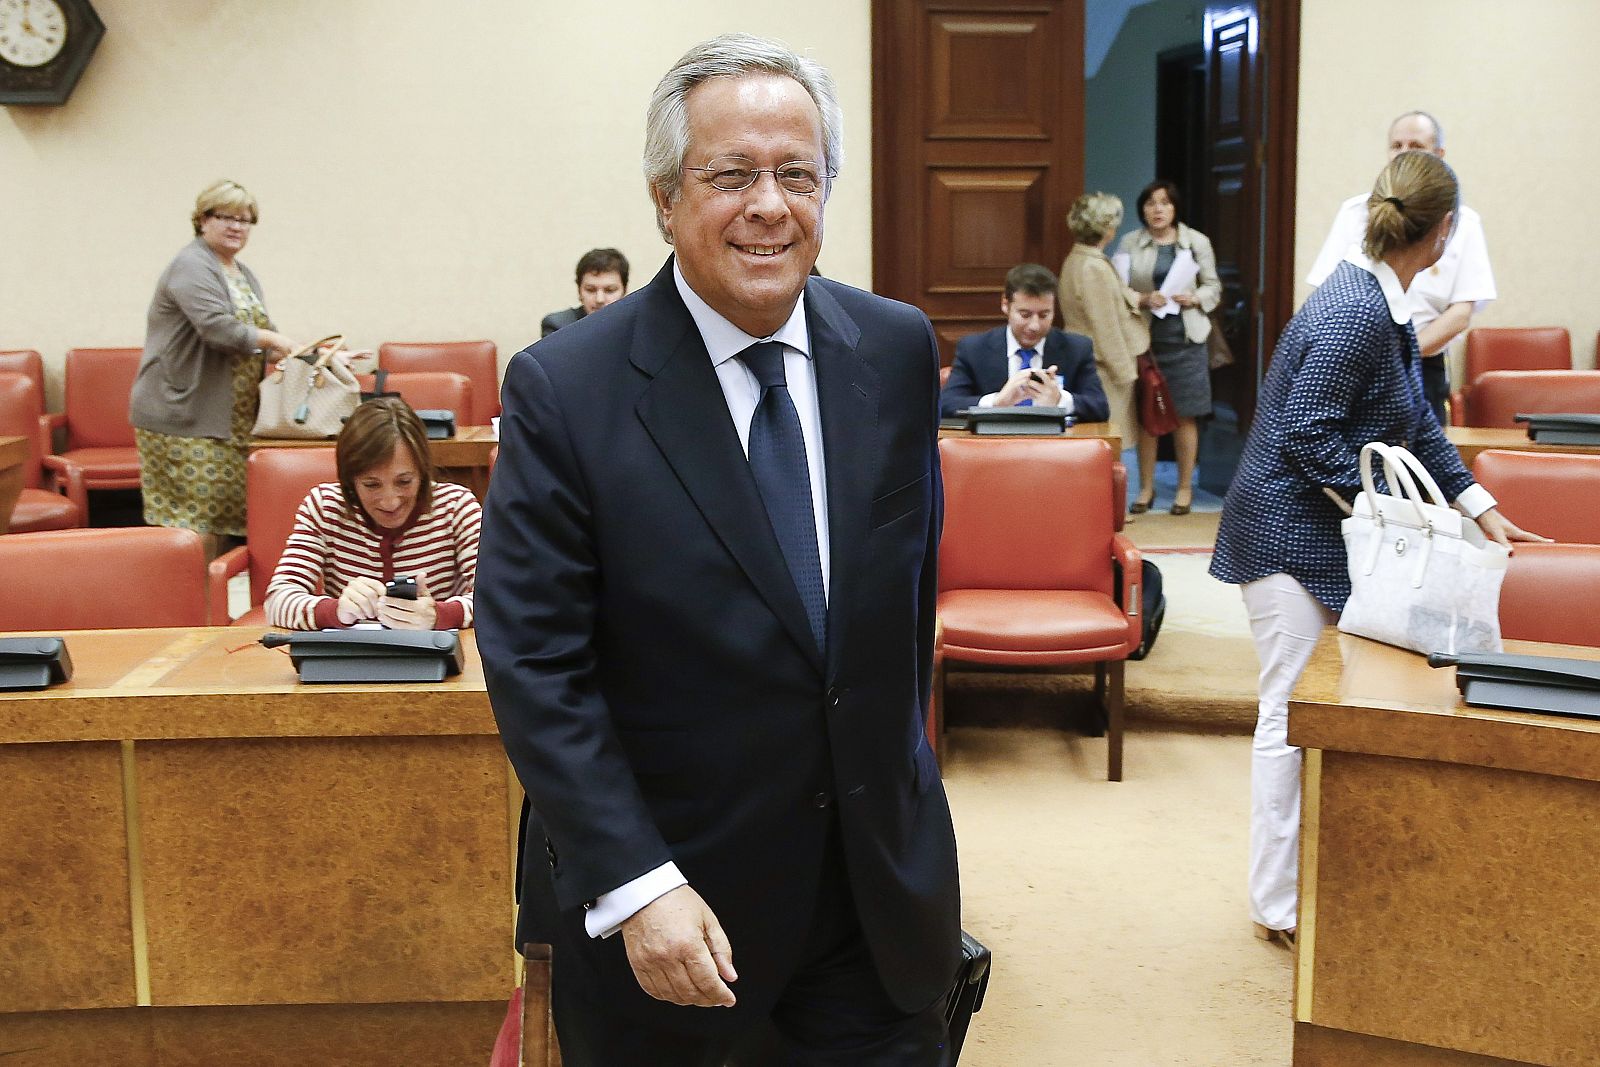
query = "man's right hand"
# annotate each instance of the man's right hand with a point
(678, 951)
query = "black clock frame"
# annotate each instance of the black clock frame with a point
(51, 83)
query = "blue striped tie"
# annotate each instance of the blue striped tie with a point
(778, 461)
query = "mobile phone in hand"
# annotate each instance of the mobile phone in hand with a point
(401, 588)
(1036, 376)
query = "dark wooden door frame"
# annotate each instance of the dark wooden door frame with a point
(1280, 33)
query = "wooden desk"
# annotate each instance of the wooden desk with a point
(463, 459)
(13, 454)
(1448, 873)
(1101, 430)
(203, 858)
(1470, 440)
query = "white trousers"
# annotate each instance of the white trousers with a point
(1286, 622)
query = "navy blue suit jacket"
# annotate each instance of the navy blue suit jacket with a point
(980, 369)
(651, 667)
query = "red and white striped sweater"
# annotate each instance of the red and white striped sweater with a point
(333, 543)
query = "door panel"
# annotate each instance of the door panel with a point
(977, 150)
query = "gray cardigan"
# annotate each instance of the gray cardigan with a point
(185, 382)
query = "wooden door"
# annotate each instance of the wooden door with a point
(1252, 55)
(977, 150)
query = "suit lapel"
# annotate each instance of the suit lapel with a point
(684, 412)
(847, 395)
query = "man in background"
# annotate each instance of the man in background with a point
(602, 279)
(1442, 298)
(1027, 361)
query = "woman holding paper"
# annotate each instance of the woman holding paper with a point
(1174, 272)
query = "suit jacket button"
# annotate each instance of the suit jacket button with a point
(821, 800)
(833, 698)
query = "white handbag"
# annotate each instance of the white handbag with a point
(1422, 575)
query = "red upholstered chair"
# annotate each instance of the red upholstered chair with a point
(1510, 348)
(276, 481)
(445, 390)
(1498, 396)
(1556, 494)
(1549, 593)
(22, 415)
(478, 360)
(109, 579)
(1057, 606)
(99, 435)
(27, 361)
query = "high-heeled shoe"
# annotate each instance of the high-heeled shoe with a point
(1139, 507)
(1282, 937)
(1181, 509)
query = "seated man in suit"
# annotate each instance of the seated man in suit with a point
(1026, 361)
(602, 279)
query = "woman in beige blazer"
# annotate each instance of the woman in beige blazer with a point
(1177, 342)
(1094, 302)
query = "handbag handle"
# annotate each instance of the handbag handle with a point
(1397, 473)
(334, 341)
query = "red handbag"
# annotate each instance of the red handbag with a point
(1157, 416)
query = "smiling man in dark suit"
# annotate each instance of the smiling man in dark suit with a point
(1026, 361)
(706, 610)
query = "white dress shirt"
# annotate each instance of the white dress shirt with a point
(1462, 273)
(724, 341)
(1014, 364)
(1474, 499)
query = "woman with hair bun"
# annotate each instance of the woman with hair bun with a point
(1346, 371)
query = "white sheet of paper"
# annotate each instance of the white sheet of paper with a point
(1120, 262)
(1180, 279)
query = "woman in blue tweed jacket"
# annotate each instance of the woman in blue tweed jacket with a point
(1346, 371)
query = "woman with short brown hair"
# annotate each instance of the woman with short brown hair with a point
(384, 518)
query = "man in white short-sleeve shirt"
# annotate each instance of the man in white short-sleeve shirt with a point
(1443, 297)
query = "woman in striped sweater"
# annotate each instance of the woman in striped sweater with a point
(384, 518)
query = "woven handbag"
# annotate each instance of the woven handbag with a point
(308, 395)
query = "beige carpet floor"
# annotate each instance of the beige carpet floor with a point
(1116, 911)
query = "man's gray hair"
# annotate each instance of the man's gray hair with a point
(733, 55)
(1438, 130)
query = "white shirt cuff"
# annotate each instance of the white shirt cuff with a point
(987, 400)
(1066, 402)
(1475, 500)
(613, 909)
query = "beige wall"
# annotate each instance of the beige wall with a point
(425, 170)
(1515, 86)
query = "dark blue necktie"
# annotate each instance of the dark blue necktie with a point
(1025, 361)
(778, 461)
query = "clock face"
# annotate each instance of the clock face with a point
(32, 32)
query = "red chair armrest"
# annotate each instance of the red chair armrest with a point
(1126, 553)
(68, 479)
(218, 571)
(1458, 407)
(55, 419)
(1119, 495)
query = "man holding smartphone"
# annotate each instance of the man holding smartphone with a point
(1026, 362)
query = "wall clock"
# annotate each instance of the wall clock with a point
(44, 46)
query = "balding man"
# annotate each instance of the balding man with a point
(1442, 298)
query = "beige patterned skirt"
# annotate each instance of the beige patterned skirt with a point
(197, 483)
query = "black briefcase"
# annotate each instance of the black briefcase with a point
(764, 1048)
(966, 994)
